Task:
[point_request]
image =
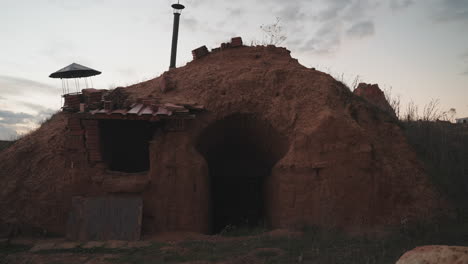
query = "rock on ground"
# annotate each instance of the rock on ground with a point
(435, 255)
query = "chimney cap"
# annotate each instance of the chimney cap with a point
(178, 6)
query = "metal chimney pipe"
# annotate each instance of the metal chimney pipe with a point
(175, 33)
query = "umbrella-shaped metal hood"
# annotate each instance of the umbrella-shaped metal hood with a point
(74, 70)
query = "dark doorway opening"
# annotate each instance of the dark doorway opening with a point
(125, 144)
(241, 151)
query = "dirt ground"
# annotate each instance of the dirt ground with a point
(162, 248)
(311, 245)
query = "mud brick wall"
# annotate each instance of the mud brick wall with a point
(203, 50)
(93, 143)
(82, 142)
(236, 42)
(94, 99)
(75, 136)
(72, 102)
(200, 52)
(76, 157)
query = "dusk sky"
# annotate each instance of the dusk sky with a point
(419, 48)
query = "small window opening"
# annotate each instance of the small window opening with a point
(125, 144)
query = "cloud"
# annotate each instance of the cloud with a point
(339, 18)
(13, 123)
(235, 12)
(191, 23)
(333, 10)
(452, 10)
(319, 46)
(11, 85)
(464, 58)
(296, 42)
(10, 118)
(292, 12)
(346, 10)
(76, 5)
(60, 50)
(7, 133)
(42, 112)
(316, 26)
(127, 71)
(361, 29)
(12, 88)
(400, 4)
(326, 40)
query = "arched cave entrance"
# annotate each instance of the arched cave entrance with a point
(241, 151)
(125, 144)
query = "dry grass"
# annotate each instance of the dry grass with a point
(5, 144)
(443, 147)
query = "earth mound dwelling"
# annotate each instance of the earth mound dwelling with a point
(239, 136)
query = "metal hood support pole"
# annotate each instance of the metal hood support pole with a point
(175, 33)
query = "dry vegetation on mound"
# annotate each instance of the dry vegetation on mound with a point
(440, 144)
(443, 148)
(5, 144)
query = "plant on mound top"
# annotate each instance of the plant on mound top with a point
(272, 34)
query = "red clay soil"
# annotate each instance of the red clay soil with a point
(337, 160)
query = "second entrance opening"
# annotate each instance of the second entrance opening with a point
(241, 151)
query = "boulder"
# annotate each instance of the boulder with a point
(435, 255)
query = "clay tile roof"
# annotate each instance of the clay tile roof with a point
(145, 111)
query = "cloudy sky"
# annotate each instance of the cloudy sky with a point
(418, 48)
